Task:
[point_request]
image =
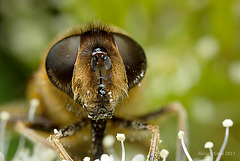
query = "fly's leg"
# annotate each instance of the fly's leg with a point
(54, 140)
(68, 131)
(154, 142)
(72, 129)
(172, 108)
(25, 129)
(138, 125)
(141, 125)
(98, 132)
(28, 129)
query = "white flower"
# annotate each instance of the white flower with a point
(34, 103)
(120, 137)
(105, 157)
(138, 157)
(207, 47)
(86, 159)
(227, 123)
(1, 156)
(208, 144)
(180, 134)
(164, 154)
(4, 116)
(108, 141)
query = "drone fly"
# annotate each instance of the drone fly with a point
(83, 77)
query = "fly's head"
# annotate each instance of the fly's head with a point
(96, 68)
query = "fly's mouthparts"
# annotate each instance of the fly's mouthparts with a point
(100, 113)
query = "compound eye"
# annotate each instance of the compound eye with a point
(133, 56)
(60, 62)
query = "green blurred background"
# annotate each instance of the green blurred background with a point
(192, 47)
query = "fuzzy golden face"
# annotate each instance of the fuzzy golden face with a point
(96, 68)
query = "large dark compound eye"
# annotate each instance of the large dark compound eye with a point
(60, 62)
(133, 58)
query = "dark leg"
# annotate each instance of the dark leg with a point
(47, 126)
(53, 140)
(98, 131)
(24, 129)
(172, 108)
(138, 125)
(72, 129)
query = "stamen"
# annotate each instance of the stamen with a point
(34, 103)
(121, 137)
(180, 136)
(209, 145)
(4, 117)
(226, 123)
(164, 154)
(20, 147)
(1, 156)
